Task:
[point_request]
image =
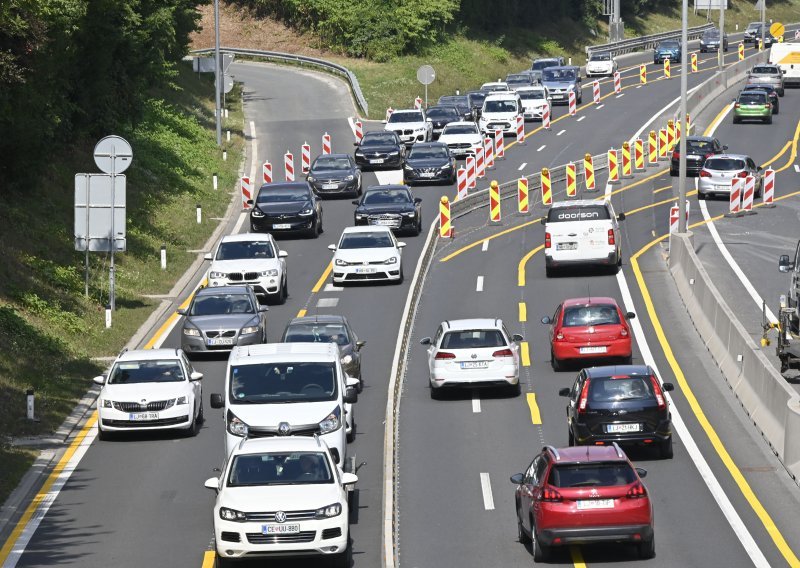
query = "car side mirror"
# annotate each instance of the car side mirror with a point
(354, 202)
(621, 217)
(784, 265)
(641, 471)
(383, 122)
(355, 144)
(417, 200)
(630, 315)
(195, 376)
(546, 320)
(428, 120)
(427, 340)
(181, 311)
(667, 387)
(101, 379)
(351, 381)
(350, 395)
(349, 479)
(543, 221)
(263, 309)
(283, 254)
(360, 344)
(401, 244)
(516, 479)
(332, 247)
(212, 483)
(517, 337)
(208, 256)
(217, 401)
(564, 392)
(250, 202)
(724, 147)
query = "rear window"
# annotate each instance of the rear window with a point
(752, 98)
(579, 316)
(724, 164)
(473, 339)
(620, 388)
(699, 146)
(583, 213)
(532, 95)
(592, 475)
(764, 70)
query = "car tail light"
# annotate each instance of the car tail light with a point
(704, 174)
(445, 355)
(547, 242)
(503, 353)
(624, 332)
(659, 394)
(611, 240)
(637, 491)
(737, 105)
(560, 335)
(742, 174)
(768, 105)
(550, 495)
(584, 397)
(676, 155)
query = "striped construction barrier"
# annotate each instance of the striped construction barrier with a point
(522, 195)
(247, 192)
(663, 144)
(488, 152)
(266, 172)
(613, 166)
(445, 229)
(572, 180)
(461, 182)
(674, 216)
(546, 116)
(626, 160)
(288, 166)
(638, 154)
(547, 187)
(670, 134)
(735, 197)
(769, 188)
(652, 148)
(588, 171)
(326, 143)
(471, 173)
(741, 51)
(748, 194)
(359, 131)
(499, 145)
(418, 103)
(494, 202)
(617, 82)
(596, 92)
(694, 63)
(573, 106)
(305, 158)
(642, 74)
(520, 129)
(480, 164)
(667, 69)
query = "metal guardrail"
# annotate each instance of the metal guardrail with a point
(644, 42)
(300, 60)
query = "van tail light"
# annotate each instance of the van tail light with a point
(550, 495)
(658, 392)
(742, 174)
(503, 353)
(637, 491)
(547, 243)
(584, 397)
(705, 174)
(676, 155)
(611, 239)
(445, 355)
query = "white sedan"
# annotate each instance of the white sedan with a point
(534, 101)
(367, 253)
(150, 389)
(461, 138)
(600, 64)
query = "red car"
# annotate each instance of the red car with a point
(583, 495)
(589, 328)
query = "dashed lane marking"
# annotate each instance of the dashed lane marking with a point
(536, 417)
(327, 302)
(523, 312)
(485, 245)
(476, 401)
(479, 284)
(486, 488)
(524, 353)
(522, 166)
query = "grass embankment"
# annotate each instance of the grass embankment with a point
(49, 332)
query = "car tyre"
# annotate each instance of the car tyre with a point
(351, 437)
(435, 394)
(400, 280)
(666, 449)
(647, 548)
(768, 120)
(418, 228)
(627, 360)
(103, 435)
(701, 195)
(193, 429)
(780, 93)
(360, 387)
(201, 415)
(549, 271)
(556, 363)
(344, 559)
(570, 438)
(522, 536)
(284, 293)
(515, 390)
(736, 120)
(541, 553)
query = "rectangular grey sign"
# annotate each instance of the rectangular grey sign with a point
(93, 212)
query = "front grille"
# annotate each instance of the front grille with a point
(155, 406)
(459, 146)
(331, 533)
(221, 333)
(303, 536)
(386, 219)
(269, 516)
(408, 131)
(372, 276)
(145, 423)
(231, 536)
(305, 430)
(240, 276)
(499, 125)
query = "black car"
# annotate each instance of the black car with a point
(380, 149)
(619, 403)
(517, 80)
(698, 148)
(429, 162)
(441, 116)
(329, 328)
(391, 206)
(476, 99)
(772, 93)
(461, 102)
(335, 174)
(286, 207)
(710, 41)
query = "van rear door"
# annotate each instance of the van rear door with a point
(580, 232)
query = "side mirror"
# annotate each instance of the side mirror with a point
(212, 483)
(181, 311)
(417, 200)
(517, 337)
(360, 344)
(667, 387)
(564, 392)
(195, 376)
(217, 401)
(335, 455)
(263, 309)
(282, 254)
(401, 244)
(350, 395)
(349, 479)
(383, 122)
(427, 340)
(208, 256)
(332, 247)
(516, 479)
(428, 120)
(354, 202)
(724, 147)
(250, 202)
(546, 320)
(543, 221)
(641, 471)
(355, 144)
(621, 217)
(784, 265)
(630, 315)
(101, 379)
(352, 381)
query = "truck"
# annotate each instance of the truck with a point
(788, 325)
(787, 57)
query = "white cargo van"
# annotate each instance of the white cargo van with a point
(499, 112)
(581, 232)
(787, 57)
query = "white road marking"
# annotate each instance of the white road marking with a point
(479, 286)
(332, 288)
(560, 132)
(486, 487)
(327, 302)
(485, 245)
(389, 177)
(542, 147)
(476, 402)
(600, 106)
(581, 118)
(638, 86)
(655, 116)
(797, 168)
(239, 222)
(619, 96)
(522, 167)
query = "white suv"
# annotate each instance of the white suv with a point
(500, 111)
(279, 497)
(284, 389)
(581, 232)
(411, 125)
(250, 258)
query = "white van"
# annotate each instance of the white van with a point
(287, 389)
(583, 231)
(499, 112)
(787, 57)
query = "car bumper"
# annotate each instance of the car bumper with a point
(378, 272)
(316, 538)
(418, 176)
(602, 259)
(560, 98)
(720, 187)
(533, 113)
(692, 168)
(583, 436)
(507, 127)
(507, 376)
(265, 286)
(176, 417)
(335, 188)
(598, 72)
(383, 161)
(396, 223)
(751, 115)
(461, 150)
(659, 58)
(565, 351)
(193, 344)
(274, 226)
(589, 535)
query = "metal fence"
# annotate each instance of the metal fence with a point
(644, 42)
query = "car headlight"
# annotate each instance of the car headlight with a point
(327, 512)
(410, 213)
(107, 403)
(420, 129)
(249, 329)
(236, 426)
(350, 178)
(483, 119)
(181, 400)
(332, 422)
(256, 212)
(447, 167)
(216, 274)
(311, 178)
(394, 153)
(306, 212)
(360, 215)
(391, 260)
(270, 272)
(359, 153)
(407, 167)
(191, 331)
(347, 359)
(340, 262)
(231, 515)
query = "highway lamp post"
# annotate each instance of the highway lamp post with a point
(720, 47)
(218, 75)
(682, 116)
(763, 20)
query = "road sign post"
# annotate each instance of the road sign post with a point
(426, 75)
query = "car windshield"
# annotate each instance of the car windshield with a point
(317, 333)
(442, 112)
(541, 64)
(711, 34)
(138, 372)
(494, 87)
(238, 250)
(379, 138)
(518, 79)
(406, 117)
(460, 129)
(699, 146)
(582, 316)
(473, 339)
(500, 106)
(425, 152)
(262, 383)
(221, 304)
(295, 468)
(724, 164)
(386, 196)
(619, 388)
(327, 163)
(366, 240)
(669, 45)
(582, 213)
(600, 57)
(592, 475)
(764, 70)
(753, 26)
(283, 195)
(476, 99)
(561, 75)
(532, 95)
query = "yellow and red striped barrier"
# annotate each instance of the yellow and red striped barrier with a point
(445, 229)
(494, 202)
(522, 195)
(547, 187)
(572, 184)
(588, 170)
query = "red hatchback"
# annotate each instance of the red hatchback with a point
(583, 495)
(589, 328)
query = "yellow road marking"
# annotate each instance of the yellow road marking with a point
(524, 354)
(779, 154)
(208, 559)
(327, 272)
(8, 546)
(173, 316)
(523, 312)
(711, 127)
(536, 418)
(301, 313)
(660, 189)
(523, 262)
(577, 557)
(489, 238)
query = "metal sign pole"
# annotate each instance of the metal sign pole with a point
(111, 275)
(720, 50)
(88, 241)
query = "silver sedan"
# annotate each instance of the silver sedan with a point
(719, 172)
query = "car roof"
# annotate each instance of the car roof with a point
(547, 59)
(280, 444)
(563, 67)
(321, 318)
(275, 352)
(247, 237)
(285, 185)
(589, 301)
(402, 110)
(612, 370)
(333, 156)
(429, 145)
(366, 229)
(387, 186)
(443, 106)
(577, 203)
(699, 138)
(734, 156)
(501, 95)
(237, 289)
(530, 88)
(587, 454)
(462, 123)
(472, 323)
(147, 354)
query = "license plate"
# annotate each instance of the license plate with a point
(280, 529)
(593, 349)
(585, 504)
(474, 364)
(376, 161)
(557, 96)
(427, 174)
(385, 222)
(140, 416)
(281, 226)
(221, 341)
(330, 185)
(365, 270)
(723, 187)
(623, 428)
(567, 246)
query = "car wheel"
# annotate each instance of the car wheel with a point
(418, 228)
(284, 292)
(736, 120)
(345, 559)
(549, 271)
(701, 195)
(515, 390)
(666, 449)
(647, 548)
(522, 536)
(193, 429)
(320, 228)
(103, 435)
(555, 362)
(541, 553)
(775, 109)
(351, 437)
(780, 93)
(360, 387)
(400, 280)
(435, 394)
(201, 416)
(570, 438)
(768, 120)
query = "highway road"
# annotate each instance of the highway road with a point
(140, 500)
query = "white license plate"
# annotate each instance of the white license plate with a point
(623, 428)
(385, 222)
(221, 341)
(330, 186)
(474, 364)
(567, 246)
(585, 504)
(282, 226)
(556, 96)
(140, 416)
(365, 270)
(426, 174)
(722, 187)
(376, 161)
(280, 529)
(593, 349)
